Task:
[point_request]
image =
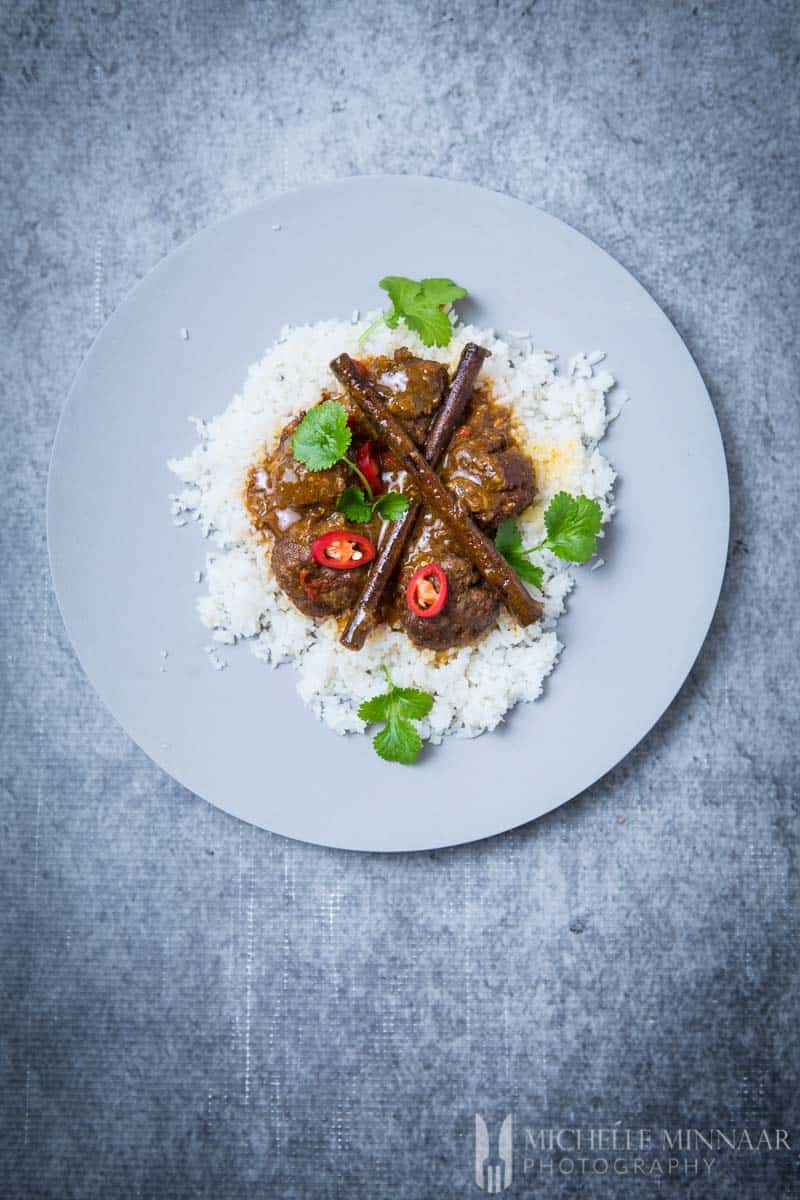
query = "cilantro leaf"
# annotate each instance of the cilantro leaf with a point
(412, 703)
(432, 325)
(398, 741)
(354, 505)
(420, 304)
(508, 538)
(572, 523)
(375, 709)
(392, 505)
(403, 293)
(508, 541)
(420, 313)
(442, 291)
(527, 571)
(322, 437)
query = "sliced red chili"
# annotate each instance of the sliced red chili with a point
(369, 465)
(426, 594)
(342, 550)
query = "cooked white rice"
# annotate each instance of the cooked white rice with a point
(563, 417)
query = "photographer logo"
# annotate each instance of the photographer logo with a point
(615, 1150)
(493, 1172)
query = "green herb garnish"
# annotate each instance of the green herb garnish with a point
(356, 507)
(508, 540)
(320, 441)
(392, 505)
(572, 524)
(323, 438)
(421, 304)
(398, 741)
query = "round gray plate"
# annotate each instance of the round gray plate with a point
(123, 573)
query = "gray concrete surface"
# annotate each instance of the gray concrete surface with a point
(190, 1007)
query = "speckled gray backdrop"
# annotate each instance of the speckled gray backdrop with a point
(192, 1007)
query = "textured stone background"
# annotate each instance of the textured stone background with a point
(192, 1007)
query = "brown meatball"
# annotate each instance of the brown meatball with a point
(471, 606)
(316, 590)
(291, 485)
(493, 479)
(412, 388)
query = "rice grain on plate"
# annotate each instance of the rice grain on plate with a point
(561, 417)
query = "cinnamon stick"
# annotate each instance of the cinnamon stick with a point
(364, 615)
(474, 544)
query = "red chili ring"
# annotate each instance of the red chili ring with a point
(431, 571)
(320, 550)
(368, 463)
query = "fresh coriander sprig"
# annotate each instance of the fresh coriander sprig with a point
(356, 507)
(508, 540)
(398, 741)
(323, 438)
(422, 304)
(572, 524)
(320, 441)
